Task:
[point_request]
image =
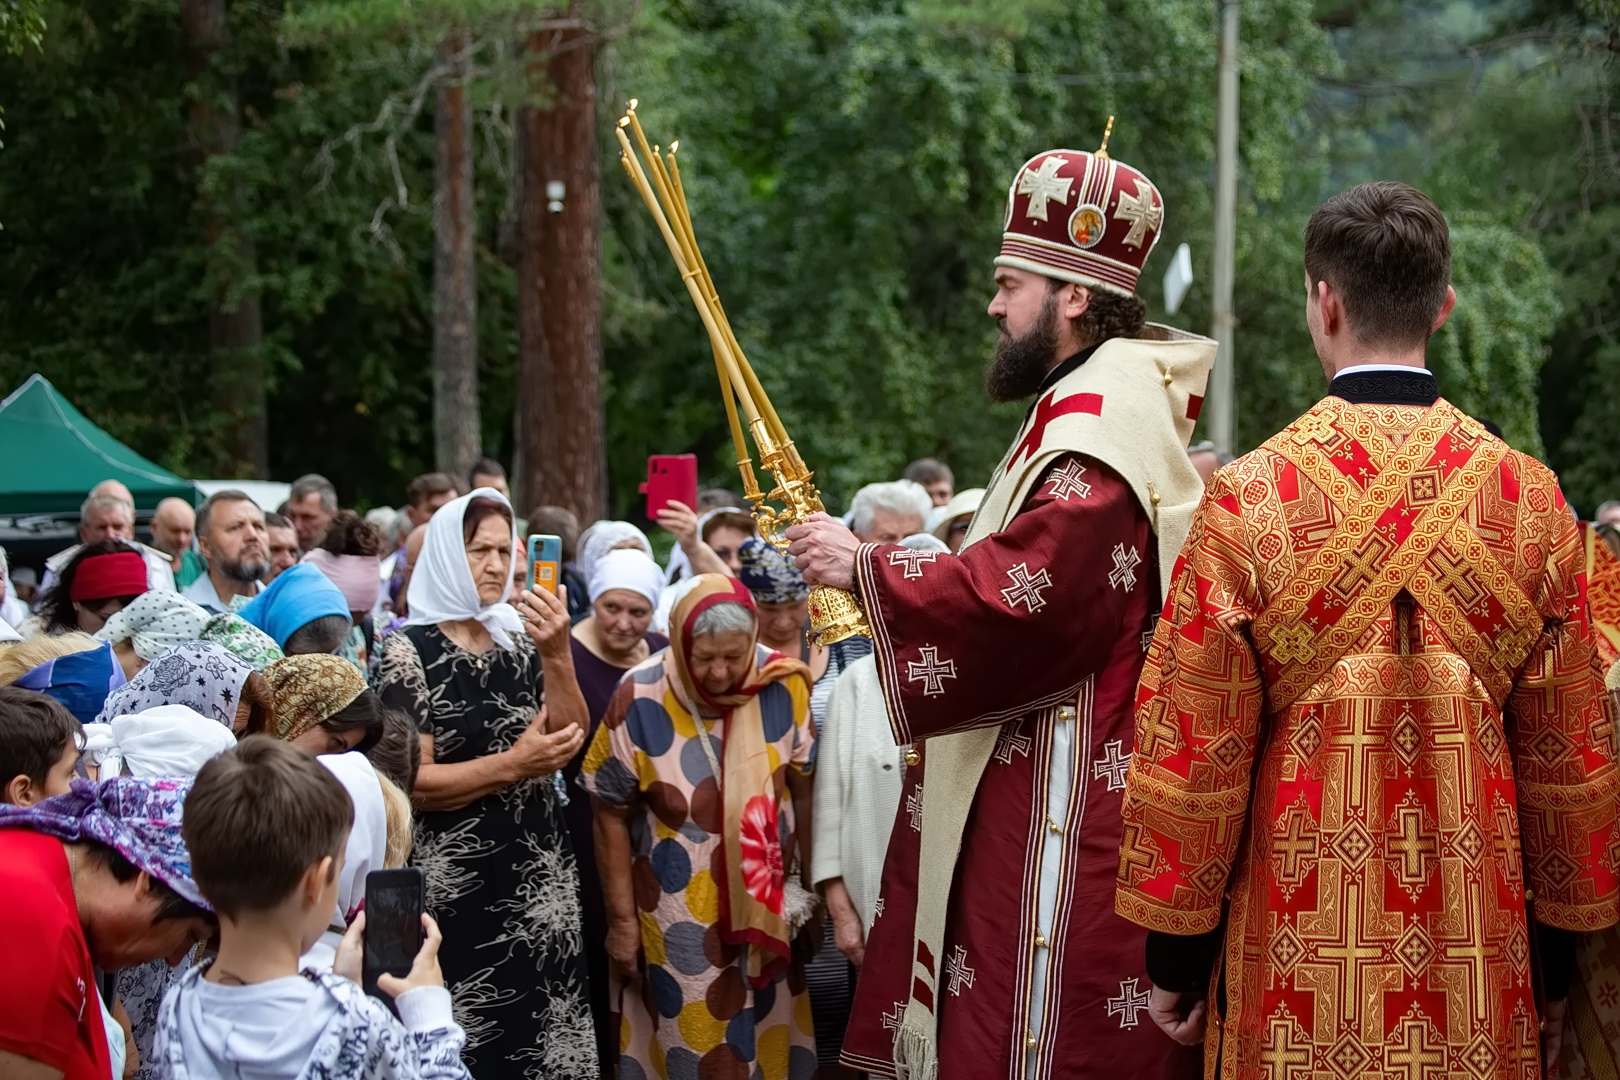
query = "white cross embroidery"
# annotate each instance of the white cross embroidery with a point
(914, 808)
(1026, 588)
(913, 560)
(931, 671)
(1044, 184)
(1066, 481)
(1012, 743)
(1129, 1003)
(1126, 560)
(1139, 210)
(893, 1018)
(958, 976)
(1112, 766)
(1147, 640)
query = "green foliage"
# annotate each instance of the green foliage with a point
(1489, 354)
(22, 25)
(848, 166)
(847, 163)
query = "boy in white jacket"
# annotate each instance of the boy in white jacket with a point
(266, 827)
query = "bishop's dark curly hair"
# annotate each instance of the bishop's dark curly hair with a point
(1110, 315)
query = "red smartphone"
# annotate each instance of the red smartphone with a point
(670, 478)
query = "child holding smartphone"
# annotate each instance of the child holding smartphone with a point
(266, 827)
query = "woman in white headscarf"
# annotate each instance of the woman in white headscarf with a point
(605, 536)
(501, 874)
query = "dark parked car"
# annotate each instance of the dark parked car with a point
(30, 539)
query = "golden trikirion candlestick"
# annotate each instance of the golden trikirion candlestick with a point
(834, 615)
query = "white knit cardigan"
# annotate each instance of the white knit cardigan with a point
(859, 773)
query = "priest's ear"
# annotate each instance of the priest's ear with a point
(1445, 309)
(1073, 300)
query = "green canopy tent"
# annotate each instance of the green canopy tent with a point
(51, 456)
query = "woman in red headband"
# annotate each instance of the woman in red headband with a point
(95, 584)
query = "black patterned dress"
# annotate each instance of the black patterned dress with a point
(501, 875)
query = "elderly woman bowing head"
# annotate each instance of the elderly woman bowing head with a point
(698, 778)
(501, 875)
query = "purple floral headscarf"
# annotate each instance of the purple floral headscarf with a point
(139, 819)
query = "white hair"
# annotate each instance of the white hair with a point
(926, 542)
(726, 617)
(103, 503)
(902, 498)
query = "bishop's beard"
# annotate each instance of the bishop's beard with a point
(1021, 363)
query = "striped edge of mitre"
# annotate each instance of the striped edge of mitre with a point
(1081, 217)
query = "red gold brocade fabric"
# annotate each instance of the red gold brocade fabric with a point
(1371, 709)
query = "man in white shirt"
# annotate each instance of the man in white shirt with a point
(109, 513)
(231, 535)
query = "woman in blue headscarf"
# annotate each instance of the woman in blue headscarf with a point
(80, 680)
(302, 610)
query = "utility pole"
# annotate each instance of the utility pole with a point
(1222, 408)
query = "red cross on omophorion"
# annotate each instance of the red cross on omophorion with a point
(1046, 412)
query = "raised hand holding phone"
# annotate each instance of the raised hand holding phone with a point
(545, 563)
(395, 904)
(425, 970)
(671, 478)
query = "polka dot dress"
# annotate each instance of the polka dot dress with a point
(690, 1012)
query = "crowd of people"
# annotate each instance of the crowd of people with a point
(1097, 758)
(568, 820)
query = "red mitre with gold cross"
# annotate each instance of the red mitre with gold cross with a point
(1082, 217)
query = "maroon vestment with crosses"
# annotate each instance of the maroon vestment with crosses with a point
(995, 951)
(1043, 624)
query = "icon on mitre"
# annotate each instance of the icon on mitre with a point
(1087, 225)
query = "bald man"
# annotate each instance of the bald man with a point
(113, 489)
(172, 526)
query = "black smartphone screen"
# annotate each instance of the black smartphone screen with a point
(393, 934)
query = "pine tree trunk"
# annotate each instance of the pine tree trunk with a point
(235, 326)
(457, 437)
(559, 297)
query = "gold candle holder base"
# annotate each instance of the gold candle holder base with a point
(834, 616)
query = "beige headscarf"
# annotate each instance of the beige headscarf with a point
(310, 689)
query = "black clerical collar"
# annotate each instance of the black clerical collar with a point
(1066, 368)
(1386, 386)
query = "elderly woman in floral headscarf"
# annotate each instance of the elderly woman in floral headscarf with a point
(98, 878)
(205, 678)
(699, 777)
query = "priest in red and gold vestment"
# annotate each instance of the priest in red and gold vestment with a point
(1010, 668)
(1374, 783)
(1603, 588)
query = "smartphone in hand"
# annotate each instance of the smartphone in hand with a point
(395, 900)
(670, 478)
(545, 562)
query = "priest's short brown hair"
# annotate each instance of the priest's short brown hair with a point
(1385, 249)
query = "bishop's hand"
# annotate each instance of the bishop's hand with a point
(1180, 1016)
(824, 550)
